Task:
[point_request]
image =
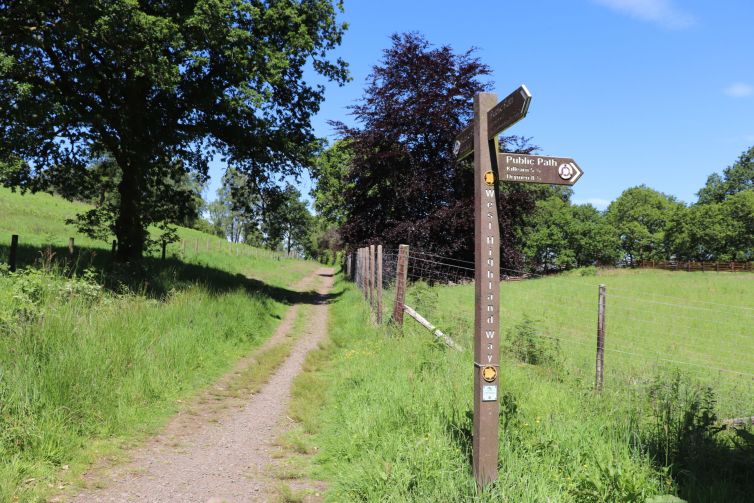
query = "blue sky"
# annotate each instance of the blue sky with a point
(659, 92)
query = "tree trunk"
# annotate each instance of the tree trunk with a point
(129, 227)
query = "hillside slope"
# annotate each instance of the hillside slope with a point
(94, 355)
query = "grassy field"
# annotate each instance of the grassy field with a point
(389, 411)
(86, 369)
(702, 323)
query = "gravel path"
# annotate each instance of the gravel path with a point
(219, 452)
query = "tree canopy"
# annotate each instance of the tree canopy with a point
(402, 184)
(159, 88)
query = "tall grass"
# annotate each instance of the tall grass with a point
(395, 425)
(94, 355)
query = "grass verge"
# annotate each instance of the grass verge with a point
(389, 415)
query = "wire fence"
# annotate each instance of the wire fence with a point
(649, 333)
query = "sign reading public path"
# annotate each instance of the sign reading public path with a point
(480, 138)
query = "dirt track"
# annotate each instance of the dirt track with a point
(219, 450)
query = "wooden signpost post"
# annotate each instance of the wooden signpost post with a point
(480, 138)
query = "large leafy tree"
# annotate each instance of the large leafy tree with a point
(560, 235)
(159, 88)
(639, 217)
(403, 185)
(736, 178)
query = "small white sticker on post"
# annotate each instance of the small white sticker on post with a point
(489, 393)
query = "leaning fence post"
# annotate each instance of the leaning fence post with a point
(401, 272)
(600, 366)
(13, 250)
(379, 284)
(70, 248)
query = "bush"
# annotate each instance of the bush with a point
(525, 343)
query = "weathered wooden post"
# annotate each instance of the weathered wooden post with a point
(164, 249)
(600, 364)
(13, 253)
(401, 274)
(480, 138)
(365, 281)
(379, 284)
(114, 247)
(486, 290)
(371, 276)
(360, 271)
(70, 248)
(364, 272)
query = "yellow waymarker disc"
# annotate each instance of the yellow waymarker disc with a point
(489, 373)
(489, 178)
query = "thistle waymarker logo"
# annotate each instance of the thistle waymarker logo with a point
(565, 171)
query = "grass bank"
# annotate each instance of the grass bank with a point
(391, 421)
(94, 356)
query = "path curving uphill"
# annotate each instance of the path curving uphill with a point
(221, 454)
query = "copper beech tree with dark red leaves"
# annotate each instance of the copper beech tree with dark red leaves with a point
(404, 185)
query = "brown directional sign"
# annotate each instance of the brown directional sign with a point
(464, 142)
(537, 169)
(509, 111)
(502, 116)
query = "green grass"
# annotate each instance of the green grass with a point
(390, 413)
(86, 369)
(700, 322)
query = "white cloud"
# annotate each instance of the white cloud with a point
(739, 90)
(598, 203)
(662, 12)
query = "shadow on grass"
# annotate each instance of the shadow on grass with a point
(711, 466)
(154, 277)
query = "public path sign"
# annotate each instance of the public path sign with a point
(538, 169)
(480, 138)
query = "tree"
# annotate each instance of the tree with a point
(228, 220)
(560, 235)
(403, 184)
(640, 216)
(160, 88)
(330, 170)
(287, 220)
(736, 178)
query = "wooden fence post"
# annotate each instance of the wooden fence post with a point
(70, 248)
(358, 267)
(371, 276)
(600, 339)
(401, 273)
(362, 274)
(114, 248)
(13, 252)
(365, 271)
(379, 284)
(164, 248)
